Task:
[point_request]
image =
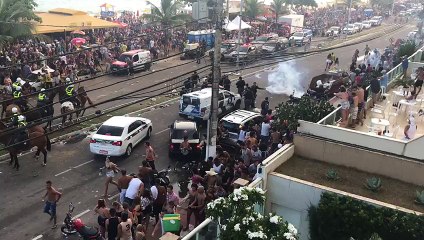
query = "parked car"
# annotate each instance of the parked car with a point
(227, 47)
(359, 26)
(141, 59)
(274, 46)
(190, 51)
(366, 24)
(376, 20)
(350, 29)
(33, 80)
(119, 135)
(261, 40)
(247, 53)
(177, 131)
(232, 122)
(333, 31)
(300, 38)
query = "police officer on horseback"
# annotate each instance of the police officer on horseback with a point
(14, 118)
(72, 95)
(19, 99)
(17, 83)
(42, 101)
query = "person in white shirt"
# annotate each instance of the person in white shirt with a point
(265, 127)
(242, 135)
(135, 188)
(154, 191)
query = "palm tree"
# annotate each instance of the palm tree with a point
(278, 8)
(354, 2)
(16, 19)
(167, 13)
(253, 8)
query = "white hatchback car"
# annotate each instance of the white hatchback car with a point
(119, 135)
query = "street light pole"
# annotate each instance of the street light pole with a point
(228, 10)
(348, 14)
(239, 35)
(213, 123)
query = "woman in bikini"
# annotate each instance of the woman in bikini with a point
(344, 96)
(111, 169)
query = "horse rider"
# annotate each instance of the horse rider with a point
(42, 100)
(17, 83)
(72, 95)
(19, 99)
(15, 115)
(21, 136)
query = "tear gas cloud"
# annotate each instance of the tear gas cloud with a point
(286, 78)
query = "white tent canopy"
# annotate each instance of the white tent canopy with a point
(244, 25)
(230, 26)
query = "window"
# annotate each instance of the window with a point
(133, 126)
(136, 58)
(181, 133)
(110, 130)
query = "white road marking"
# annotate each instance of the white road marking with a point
(38, 237)
(100, 96)
(82, 164)
(80, 214)
(114, 196)
(63, 172)
(164, 130)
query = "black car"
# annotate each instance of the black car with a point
(178, 131)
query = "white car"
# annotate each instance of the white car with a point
(366, 24)
(335, 30)
(350, 29)
(33, 78)
(119, 135)
(359, 26)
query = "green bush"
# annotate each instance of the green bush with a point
(339, 217)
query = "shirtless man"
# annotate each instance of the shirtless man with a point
(150, 155)
(361, 106)
(123, 183)
(124, 228)
(53, 197)
(198, 206)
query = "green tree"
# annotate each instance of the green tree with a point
(354, 2)
(167, 13)
(253, 8)
(277, 7)
(307, 109)
(309, 3)
(16, 19)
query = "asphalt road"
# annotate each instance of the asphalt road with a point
(74, 171)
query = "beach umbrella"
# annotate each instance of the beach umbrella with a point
(78, 41)
(78, 32)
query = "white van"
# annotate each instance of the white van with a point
(376, 20)
(196, 105)
(141, 58)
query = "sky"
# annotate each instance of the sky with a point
(93, 5)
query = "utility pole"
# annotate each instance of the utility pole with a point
(348, 14)
(239, 36)
(213, 122)
(228, 10)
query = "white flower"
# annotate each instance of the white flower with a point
(224, 227)
(289, 236)
(292, 229)
(275, 219)
(237, 227)
(259, 190)
(258, 234)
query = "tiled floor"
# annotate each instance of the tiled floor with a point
(396, 116)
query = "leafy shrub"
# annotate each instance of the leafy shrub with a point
(332, 175)
(341, 217)
(420, 197)
(373, 184)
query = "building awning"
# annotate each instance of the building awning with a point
(61, 19)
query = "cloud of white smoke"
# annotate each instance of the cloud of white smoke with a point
(374, 58)
(285, 79)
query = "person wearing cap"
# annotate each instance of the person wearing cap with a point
(211, 178)
(22, 121)
(17, 83)
(42, 98)
(71, 95)
(15, 115)
(19, 99)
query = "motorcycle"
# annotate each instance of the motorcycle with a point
(71, 226)
(163, 176)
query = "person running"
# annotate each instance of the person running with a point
(111, 169)
(150, 155)
(53, 196)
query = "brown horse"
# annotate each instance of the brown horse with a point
(6, 100)
(37, 138)
(8, 110)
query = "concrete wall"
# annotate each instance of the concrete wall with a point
(372, 162)
(294, 196)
